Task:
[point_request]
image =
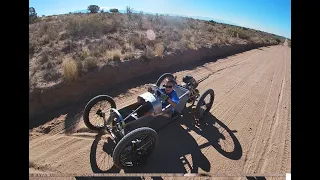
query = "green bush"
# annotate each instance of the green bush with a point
(93, 8)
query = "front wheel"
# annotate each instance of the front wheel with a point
(92, 115)
(135, 147)
(204, 104)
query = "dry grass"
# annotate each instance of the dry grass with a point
(89, 64)
(114, 55)
(128, 56)
(149, 53)
(159, 49)
(93, 25)
(70, 69)
(87, 40)
(128, 47)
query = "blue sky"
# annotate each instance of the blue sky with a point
(272, 16)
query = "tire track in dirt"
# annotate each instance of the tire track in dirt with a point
(286, 154)
(285, 136)
(229, 117)
(55, 149)
(239, 106)
(262, 127)
(245, 155)
(260, 100)
(273, 150)
(246, 118)
(275, 122)
(232, 76)
(240, 88)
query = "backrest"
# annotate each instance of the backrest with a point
(183, 95)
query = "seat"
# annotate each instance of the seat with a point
(183, 95)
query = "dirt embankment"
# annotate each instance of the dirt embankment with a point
(44, 100)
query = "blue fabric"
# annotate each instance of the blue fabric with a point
(173, 96)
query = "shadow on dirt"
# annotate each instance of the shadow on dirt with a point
(178, 151)
(100, 155)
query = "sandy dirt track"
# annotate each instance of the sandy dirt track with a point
(248, 131)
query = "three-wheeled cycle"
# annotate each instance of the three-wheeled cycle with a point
(133, 132)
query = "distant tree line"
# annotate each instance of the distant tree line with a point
(92, 9)
(96, 8)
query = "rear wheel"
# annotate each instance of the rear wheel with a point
(92, 114)
(135, 147)
(204, 104)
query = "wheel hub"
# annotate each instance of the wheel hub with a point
(100, 113)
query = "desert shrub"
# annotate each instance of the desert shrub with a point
(70, 69)
(238, 32)
(89, 64)
(93, 25)
(159, 49)
(114, 55)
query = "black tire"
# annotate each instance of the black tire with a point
(88, 107)
(162, 77)
(198, 112)
(127, 139)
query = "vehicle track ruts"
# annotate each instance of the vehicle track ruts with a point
(275, 123)
(264, 123)
(275, 118)
(260, 126)
(238, 106)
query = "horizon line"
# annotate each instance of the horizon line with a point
(186, 16)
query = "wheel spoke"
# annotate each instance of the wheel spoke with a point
(133, 156)
(204, 104)
(94, 114)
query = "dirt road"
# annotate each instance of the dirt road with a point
(248, 131)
